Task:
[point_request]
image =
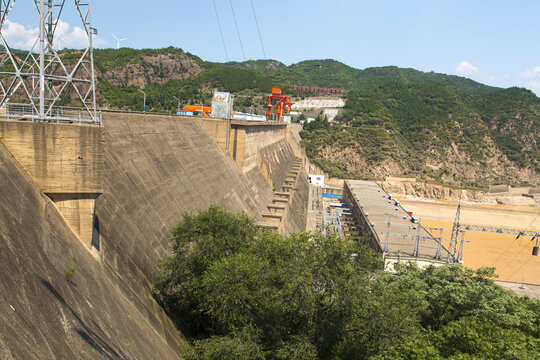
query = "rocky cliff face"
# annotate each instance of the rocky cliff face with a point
(423, 190)
(155, 68)
(431, 191)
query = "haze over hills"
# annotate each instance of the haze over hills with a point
(398, 121)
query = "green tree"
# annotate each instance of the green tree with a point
(241, 292)
(240, 345)
(227, 275)
(198, 241)
(464, 315)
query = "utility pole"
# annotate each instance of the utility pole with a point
(41, 75)
(144, 101)
(178, 107)
(455, 234)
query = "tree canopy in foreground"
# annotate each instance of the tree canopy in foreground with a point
(240, 292)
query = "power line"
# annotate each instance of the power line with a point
(512, 261)
(220, 31)
(530, 258)
(258, 30)
(238, 32)
(525, 263)
(503, 253)
(536, 217)
(537, 73)
(512, 243)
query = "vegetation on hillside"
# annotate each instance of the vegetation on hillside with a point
(334, 74)
(116, 88)
(240, 292)
(255, 77)
(397, 121)
(432, 131)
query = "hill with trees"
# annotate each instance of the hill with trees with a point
(172, 72)
(432, 131)
(435, 127)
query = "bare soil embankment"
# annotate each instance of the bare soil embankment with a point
(412, 189)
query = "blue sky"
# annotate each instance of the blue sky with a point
(493, 42)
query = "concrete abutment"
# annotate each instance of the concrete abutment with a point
(66, 163)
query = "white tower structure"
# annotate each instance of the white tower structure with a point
(40, 80)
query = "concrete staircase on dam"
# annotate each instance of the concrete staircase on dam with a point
(282, 200)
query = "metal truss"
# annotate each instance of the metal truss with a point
(450, 258)
(42, 79)
(499, 230)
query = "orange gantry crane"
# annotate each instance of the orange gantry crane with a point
(277, 104)
(205, 110)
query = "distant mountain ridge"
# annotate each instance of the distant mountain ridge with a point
(169, 72)
(332, 73)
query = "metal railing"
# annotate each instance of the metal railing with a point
(56, 114)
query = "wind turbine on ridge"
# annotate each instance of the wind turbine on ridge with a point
(59, 38)
(118, 41)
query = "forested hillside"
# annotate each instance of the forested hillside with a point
(432, 131)
(165, 73)
(397, 121)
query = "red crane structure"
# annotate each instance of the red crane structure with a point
(277, 104)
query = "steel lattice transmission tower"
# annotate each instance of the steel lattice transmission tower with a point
(454, 249)
(42, 79)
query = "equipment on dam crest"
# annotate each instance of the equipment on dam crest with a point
(389, 228)
(196, 109)
(222, 108)
(43, 77)
(277, 104)
(222, 105)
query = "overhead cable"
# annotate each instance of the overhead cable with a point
(238, 32)
(258, 30)
(220, 31)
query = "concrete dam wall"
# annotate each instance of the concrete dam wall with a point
(45, 316)
(157, 167)
(135, 177)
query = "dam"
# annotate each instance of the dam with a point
(104, 198)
